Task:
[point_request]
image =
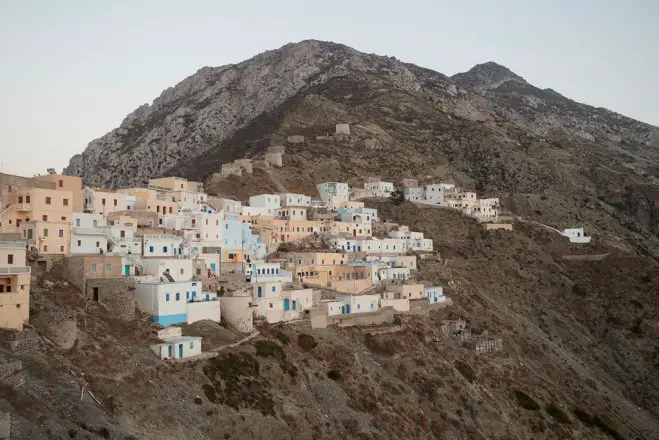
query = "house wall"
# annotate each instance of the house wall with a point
(66, 183)
(160, 207)
(198, 311)
(162, 245)
(152, 299)
(271, 203)
(496, 226)
(236, 311)
(292, 199)
(101, 202)
(142, 218)
(88, 243)
(180, 269)
(399, 305)
(49, 238)
(14, 285)
(410, 291)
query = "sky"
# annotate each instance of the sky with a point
(71, 70)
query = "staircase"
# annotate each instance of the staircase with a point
(194, 253)
(138, 266)
(168, 277)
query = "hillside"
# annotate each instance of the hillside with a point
(554, 160)
(579, 340)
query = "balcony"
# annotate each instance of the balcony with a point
(14, 270)
(88, 231)
(22, 207)
(12, 245)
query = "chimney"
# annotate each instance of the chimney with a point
(51, 171)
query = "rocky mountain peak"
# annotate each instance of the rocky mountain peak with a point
(488, 75)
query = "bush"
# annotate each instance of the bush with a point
(209, 391)
(585, 418)
(465, 370)
(267, 348)
(526, 401)
(557, 413)
(306, 342)
(334, 374)
(282, 337)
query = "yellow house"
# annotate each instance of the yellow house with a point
(176, 184)
(104, 201)
(47, 237)
(161, 207)
(38, 204)
(66, 183)
(14, 286)
(315, 259)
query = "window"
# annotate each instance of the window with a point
(260, 292)
(20, 199)
(191, 345)
(65, 202)
(78, 222)
(178, 296)
(79, 243)
(167, 297)
(10, 259)
(61, 248)
(60, 183)
(45, 248)
(181, 271)
(115, 202)
(44, 218)
(108, 267)
(47, 200)
(187, 295)
(63, 219)
(27, 199)
(274, 288)
(45, 232)
(270, 305)
(151, 249)
(122, 234)
(93, 267)
(164, 249)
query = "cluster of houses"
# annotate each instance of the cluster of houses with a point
(181, 256)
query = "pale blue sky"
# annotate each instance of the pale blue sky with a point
(70, 71)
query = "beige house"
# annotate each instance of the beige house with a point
(175, 184)
(48, 237)
(103, 201)
(38, 204)
(66, 183)
(14, 286)
(407, 291)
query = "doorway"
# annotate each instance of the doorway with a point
(95, 293)
(127, 269)
(180, 351)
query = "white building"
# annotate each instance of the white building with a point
(358, 303)
(178, 302)
(434, 294)
(178, 347)
(160, 245)
(270, 202)
(394, 273)
(333, 193)
(379, 189)
(414, 194)
(88, 235)
(179, 269)
(576, 235)
(253, 211)
(261, 272)
(370, 245)
(292, 199)
(282, 305)
(292, 213)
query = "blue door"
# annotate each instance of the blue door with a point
(260, 291)
(180, 351)
(286, 304)
(343, 310)
(170, 351)
(347, 309)
(213, 267)
(208, 297)
(194, 294)
(293, 304)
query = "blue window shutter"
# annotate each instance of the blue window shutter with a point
(274, 288)
(167, 297)
(178, 296)
(260, 292)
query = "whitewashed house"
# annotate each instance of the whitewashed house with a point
(176, 302)
(270, 202)
(178, 347)
(358, 303)
(394, 273)
(434, 294)
(162, 245)
(261, 272)
(576, 235)
(333, 194)
(88, 235)
(292, 199)
(292, 213)
(379, 189)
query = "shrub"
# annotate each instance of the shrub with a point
(209, 391)
(334, 374)
(282, 337)
(557, 413)
(267, 348)
(526, 401)
(582, 415)
(398, 320)
(306, 342)
(465, 370)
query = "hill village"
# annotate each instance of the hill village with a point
(170, 250)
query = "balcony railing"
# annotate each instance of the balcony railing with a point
(14, 270)
(12, 245)
(23, 207)
(89, 231)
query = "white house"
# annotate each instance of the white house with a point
(333, 193)
(285, 306)
(379, 189)
(88, 235)
(292, 213)
(270, 202)
(358, 303)
(178, 347)
(161, 245)
(434, 294)
(576, 235)
(252, 211)
(414, 194)
(178, 302)
(260, 272)
(292, 199)
(394, 273)
(179, 269)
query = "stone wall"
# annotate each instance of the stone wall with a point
(497, 226)
(16, 340)
(115, 294)
(245, 165)
(78, 268)
(236, 311)
(320, 319)
(230, 169)
(11, 372)
(274, 159)
(57, 325)
(488, 345)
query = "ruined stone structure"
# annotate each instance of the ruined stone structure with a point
(16, 340)
(274, 155)
(410, 183)
(487, 345)
(231, 169)
(453, 326)
(115, 294)
(320, 318)
(57, 325)
(245, 165)
(296, 139)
